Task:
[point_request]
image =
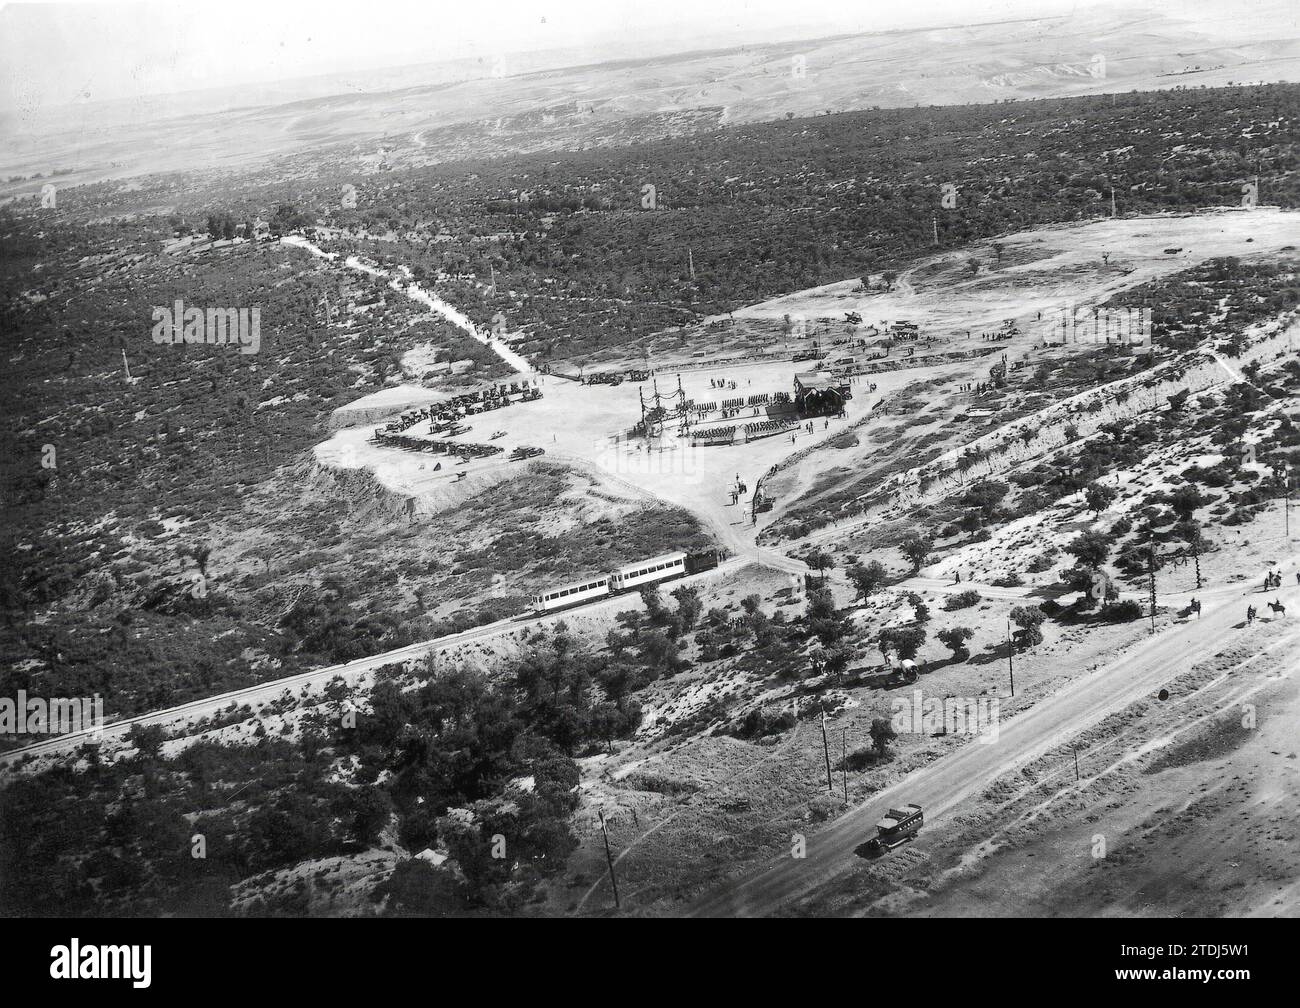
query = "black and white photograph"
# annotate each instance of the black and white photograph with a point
(580, 459)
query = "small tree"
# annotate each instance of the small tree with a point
(1098, 497)
(655, 610)
(916, 547)
(659, 650)
(867, 578)
(689, 605)
(921, 610)
(1185, 500)
(954, 639)
(906, 641)
(618, 643)
(823, 619)
(882, 734)
(1090, 548)
(1029, 620)
(819, 560)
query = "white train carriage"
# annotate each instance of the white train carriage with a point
(574, 594)
(643, 572)
(627, 578)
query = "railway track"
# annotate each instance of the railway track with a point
(196, 710)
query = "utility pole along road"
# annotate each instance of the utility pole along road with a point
(939, 787)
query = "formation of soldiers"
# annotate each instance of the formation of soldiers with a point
(769, 426)
(726, 434)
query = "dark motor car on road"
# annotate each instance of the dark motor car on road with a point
(899, 826)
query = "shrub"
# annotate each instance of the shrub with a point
(860, 759)
(822, 808)
(962, 600)
(760, 721)
(1124, 612)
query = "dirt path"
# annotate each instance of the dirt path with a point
(418, 294)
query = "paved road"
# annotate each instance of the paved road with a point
(940, 786)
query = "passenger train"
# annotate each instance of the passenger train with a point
(627, 578)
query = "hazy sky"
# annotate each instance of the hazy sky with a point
(53, 54)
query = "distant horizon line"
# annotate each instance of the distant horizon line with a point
(63, 107)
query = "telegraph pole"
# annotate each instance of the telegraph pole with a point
(1076, 763)
(844, 762)
(1151, 575)
(826, 748)
(1011, 669)
(613, 879)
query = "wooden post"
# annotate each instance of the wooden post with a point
(830, 783)
(609, 858)
(844, 762)
(1011, 670)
